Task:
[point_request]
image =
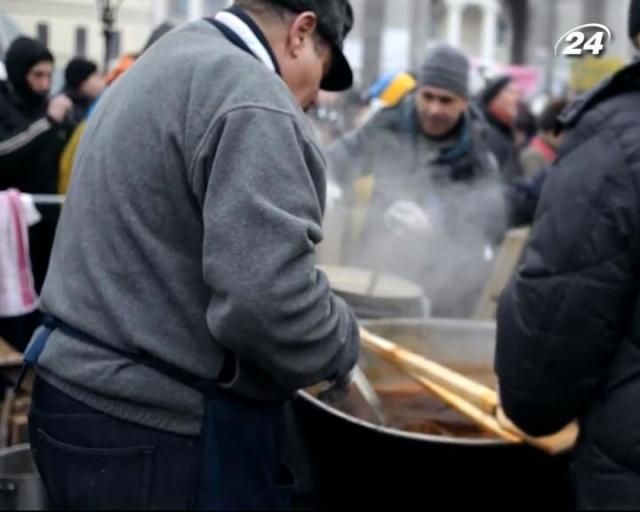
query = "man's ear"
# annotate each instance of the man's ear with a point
(301, 30)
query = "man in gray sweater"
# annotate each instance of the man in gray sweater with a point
(185, 307)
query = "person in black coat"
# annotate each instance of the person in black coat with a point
(32, 129)
(83, 85)
(568, 342)
(33, 132)
(500, 104)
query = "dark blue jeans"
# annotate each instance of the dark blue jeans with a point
(91, 461)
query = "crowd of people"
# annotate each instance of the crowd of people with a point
(181, 295)
(40, 131)
(482, 150)
(34, 130)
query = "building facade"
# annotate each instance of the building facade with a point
(396, 32)
(394, 35)
(389, 35)
(180, 11)
(73, 27)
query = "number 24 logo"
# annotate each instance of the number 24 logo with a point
(576, 38)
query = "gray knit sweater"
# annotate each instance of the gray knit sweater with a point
(190, 227)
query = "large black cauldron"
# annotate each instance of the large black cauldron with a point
(353, 463)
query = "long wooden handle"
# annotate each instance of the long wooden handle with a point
(484, 398)
(485, 421)
(501, 426)
(477, 402)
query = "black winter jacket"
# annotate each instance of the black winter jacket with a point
(569, 322)
(502, 143)
(30, 145)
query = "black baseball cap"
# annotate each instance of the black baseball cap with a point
(335, 21)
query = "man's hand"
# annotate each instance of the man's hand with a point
(407, 216)
(339, 389)
(555, 444)
(59, 107)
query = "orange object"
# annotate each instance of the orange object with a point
(125, 62)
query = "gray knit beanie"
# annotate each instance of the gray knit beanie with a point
(447, 68)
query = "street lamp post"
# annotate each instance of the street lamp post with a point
(108, 10)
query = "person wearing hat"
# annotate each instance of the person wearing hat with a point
(499, 102)
(416, 169)
(568, 338)
(33, 132)
(184, 306)
(83, 84)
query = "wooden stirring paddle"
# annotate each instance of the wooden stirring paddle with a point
(472, 399)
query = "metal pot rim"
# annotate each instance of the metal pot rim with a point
(459, 441)
(433, 321)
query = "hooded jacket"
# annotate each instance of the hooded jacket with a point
(30, 142)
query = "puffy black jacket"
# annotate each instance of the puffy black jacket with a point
(569, 322)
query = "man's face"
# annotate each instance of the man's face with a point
(39, 78)
(306, 60)
(507, 102)
(439, 110)
(93, 86)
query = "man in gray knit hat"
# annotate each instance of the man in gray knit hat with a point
(421, 170)
(442, 97)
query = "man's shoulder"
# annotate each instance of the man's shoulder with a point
(616, 115)
(200, 78)
(613, 100)
(206, 64)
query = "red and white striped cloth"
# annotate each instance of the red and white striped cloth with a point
(17, 292)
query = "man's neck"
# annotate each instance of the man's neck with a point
(269, 32)
(451, 135)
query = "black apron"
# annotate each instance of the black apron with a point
(242, 442)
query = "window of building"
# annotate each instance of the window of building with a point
(42, 33)
(81, 42)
